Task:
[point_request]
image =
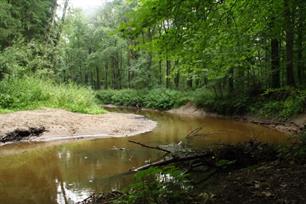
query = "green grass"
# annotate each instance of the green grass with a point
(32, 93)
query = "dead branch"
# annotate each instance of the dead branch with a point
(205, 159)
(151, 147)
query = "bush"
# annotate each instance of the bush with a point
(162, 99)
(280, 104)
(227, 105)
(30, 93)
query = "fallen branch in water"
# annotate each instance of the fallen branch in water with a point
(150, 147)
(169, 161)
(220, 158)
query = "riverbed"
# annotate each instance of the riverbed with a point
(68, 172)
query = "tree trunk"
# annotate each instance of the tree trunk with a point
(98, 78)
(300, 40)
(289, 21)
(231, 80)
(177, 75)
(168, 71)
(160, 73)
(177, 80)
(106, 76)
(275, 63)
(129, 57)
(92, 80)
(189, 82)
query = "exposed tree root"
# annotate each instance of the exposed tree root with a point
(20, 134)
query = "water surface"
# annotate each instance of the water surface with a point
(68, 172)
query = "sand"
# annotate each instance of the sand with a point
(64, 125)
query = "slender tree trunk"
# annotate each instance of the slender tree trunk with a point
(289, 27)
(177, 79)
(114, 73)
(106, 76)
(129, 53)
(86, 79)
(300, 60)
(275, 63)
(231, 80)
(160, 73)
(177, 75)
(92, 80)
(189, 82)
(63, 18)
(168, 72)
(119, 68)
(300, 47)
(98, 86)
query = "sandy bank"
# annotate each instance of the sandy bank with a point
(292, 126)
(62, 125)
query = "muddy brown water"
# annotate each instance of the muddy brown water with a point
(68, 172)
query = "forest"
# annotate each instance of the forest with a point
(219, 54)
(234, 58)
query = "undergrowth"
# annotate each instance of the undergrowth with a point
(156, 185)
(161, 99)
(31, 93)
(279, 104)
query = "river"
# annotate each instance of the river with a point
(68, 172)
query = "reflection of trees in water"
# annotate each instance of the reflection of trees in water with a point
(29, 178)
(94, 167)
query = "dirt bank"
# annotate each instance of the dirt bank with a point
(62, 125)
(292, 126)
(275, 182)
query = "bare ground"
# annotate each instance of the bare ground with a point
(276, 182)
(64, 125)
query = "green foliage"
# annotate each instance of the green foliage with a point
(161, 99)
(296, 152)
(31, 93)
(26, 58)
(155, 185)
(280, 103)
(28, 19)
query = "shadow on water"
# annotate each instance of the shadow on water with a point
(70, 172)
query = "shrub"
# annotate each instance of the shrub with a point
(161, 99)
(274, 103)
(227, 105)
(280, 103)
